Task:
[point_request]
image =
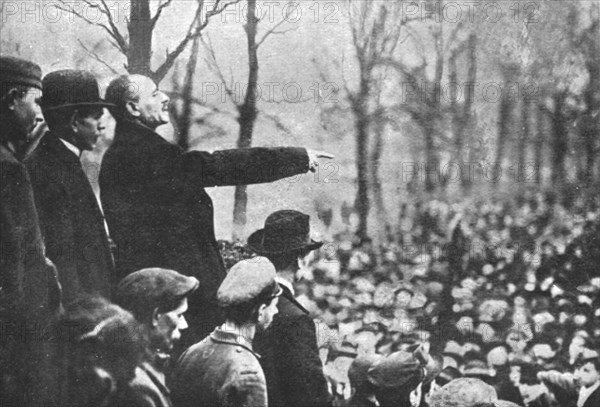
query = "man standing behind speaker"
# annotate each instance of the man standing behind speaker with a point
(290, 356)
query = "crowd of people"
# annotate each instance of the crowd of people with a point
(131, 301)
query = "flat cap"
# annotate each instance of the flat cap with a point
(19, 71)
(357, 373)
(152, 287)
(247, 281)
(398, 370)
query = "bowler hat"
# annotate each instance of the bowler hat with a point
(152, 287)
(17, 71)
(248, 281)
(71, 88)
(284, 231)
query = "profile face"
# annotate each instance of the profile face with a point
(27, 111)
(89, 128)
(170, 324)
(152, 105)
(587, 375)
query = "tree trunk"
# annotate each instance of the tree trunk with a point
(361, 120)
(185, 120)
(468, 108)
(504, 118)
(539, 144)
(383, 226)
(140, 38)
(247, 117)
(559, 141)
(524, 136)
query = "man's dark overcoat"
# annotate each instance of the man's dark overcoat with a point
(71, 220)
(290, 357)
(159, 214)
(29, 290)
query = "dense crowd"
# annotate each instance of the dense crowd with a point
(503, 292)
(471, 304)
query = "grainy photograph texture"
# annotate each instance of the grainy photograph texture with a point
(300, 203)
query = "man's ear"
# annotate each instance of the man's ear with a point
(74, 121)
(260, 312)
(156, 317)
(132, 108)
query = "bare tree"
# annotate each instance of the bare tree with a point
(376, 28)
(247, 110)
(137, 45)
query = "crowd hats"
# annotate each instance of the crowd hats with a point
(399, 370)
(71, 88)
(284, 231)
(152, 287)
(17, 71)
(247, 281)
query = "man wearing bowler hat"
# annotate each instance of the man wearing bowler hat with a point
(153, 194)
(70, 217)
(289, 347)
(29, 291)
(223, 370)
(158, 298)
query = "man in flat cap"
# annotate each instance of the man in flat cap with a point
(397, 380)
(363, 391)
(29, 291)
(158, 298)
(153, 194)
(289, 347)
(222, 369)
(70, 218)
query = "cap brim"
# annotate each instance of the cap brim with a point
(255, 244)
(100, 103)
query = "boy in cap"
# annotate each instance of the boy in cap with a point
(222, 369)
(289, 347)
(587, 375)
(30, 293)
(397, 380)
(157, 298)
(363, 392)
(70, 218)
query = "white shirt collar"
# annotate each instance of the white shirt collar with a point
(585, 393)
(71, 147)
(286, 284)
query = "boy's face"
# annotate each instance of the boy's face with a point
(587, 375)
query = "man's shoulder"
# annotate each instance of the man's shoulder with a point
(594, 399)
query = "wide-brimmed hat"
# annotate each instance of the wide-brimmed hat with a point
(284, 231)
(71, 88)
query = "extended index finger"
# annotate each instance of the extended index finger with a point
(323, 154)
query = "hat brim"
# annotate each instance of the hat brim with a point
(100, 103)
(255, 243)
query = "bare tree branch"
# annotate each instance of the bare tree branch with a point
(97, 57)
(161, 7)
(214, 66)
(194, 30)
(116, 35)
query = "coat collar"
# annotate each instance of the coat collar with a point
(220, 335)
(289, 295)
(128, 131)
(157, 377)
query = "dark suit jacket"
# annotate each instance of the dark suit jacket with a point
(290, 357)
(593, 400)
(71, 220)
(159, 214)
